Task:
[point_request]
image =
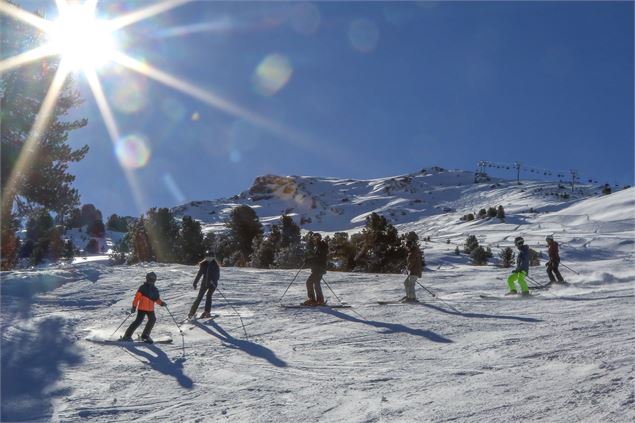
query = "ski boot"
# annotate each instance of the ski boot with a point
(310, 302)
(512, 292)
(410, 300)
(205, 314)
(125, 339)
(147, 339)
(320, 303)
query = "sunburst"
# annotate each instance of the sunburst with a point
(84, 43)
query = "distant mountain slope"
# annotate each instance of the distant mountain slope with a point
(433, 195)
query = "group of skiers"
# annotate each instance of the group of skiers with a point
(317, 258)
(522, 265)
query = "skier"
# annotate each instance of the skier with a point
(317, 258)
(143, 304)
(414, 268)
(554, 260)
(522, 268)
(209, 270)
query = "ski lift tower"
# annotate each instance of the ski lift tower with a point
(517, 167)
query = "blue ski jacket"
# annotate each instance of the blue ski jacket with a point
(522, 262)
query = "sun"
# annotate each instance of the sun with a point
(83, 41)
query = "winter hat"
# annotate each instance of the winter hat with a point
(209, 254)
(519, 241)
(151, 277)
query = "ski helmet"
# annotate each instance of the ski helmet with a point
(519, 241)
(549, 238)
(151, 277)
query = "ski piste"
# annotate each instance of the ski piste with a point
(163, 339)
(316, 306)
(509, 297)
(195, 319)
(398, 302)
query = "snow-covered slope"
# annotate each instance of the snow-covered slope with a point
(565, 354)
(330, 204)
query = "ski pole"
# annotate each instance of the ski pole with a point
(329, 287)
(536, 284)
(294, 278)
(235, 311)
(124, 321)
(177, 325)
(338, 298)
(437, 298)
(564, 265)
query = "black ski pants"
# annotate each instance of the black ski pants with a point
(552, 268)
(208, 288)
(140, 316)
(313, 286)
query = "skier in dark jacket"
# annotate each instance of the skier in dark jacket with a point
(317, 259)
(209, 271)
(554, 260)
(522, 268)
(143, 304)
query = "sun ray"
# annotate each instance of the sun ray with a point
(145, 13)
(30, 146)
(24, 16)
(208, 98)
(115, 136)
(27, 57)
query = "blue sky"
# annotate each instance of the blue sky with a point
(361, 90)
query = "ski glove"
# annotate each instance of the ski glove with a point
(163, 304)
(133, 310)
(194, 285)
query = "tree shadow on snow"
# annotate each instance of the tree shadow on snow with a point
(389, 327)
(481, 315)
(160, 362)
(249, 347)
(32, 362)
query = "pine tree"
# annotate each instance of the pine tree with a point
(342, 251)
(163, 232)
(244, 226)
(480, 255)
(117, 223)
(69, 250)
(36, 174)
(500, 213)
(471, 243)
(290, 232)
(381, 250)
(507, 257)
(9, 242)
(96, 229)
(141, 250)
(192, 248)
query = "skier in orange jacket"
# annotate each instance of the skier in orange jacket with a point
(143, 304)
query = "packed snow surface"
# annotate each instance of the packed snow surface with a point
(564, 354)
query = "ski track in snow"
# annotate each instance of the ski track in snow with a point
(564, 355)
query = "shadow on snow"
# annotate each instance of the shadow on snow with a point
(160, 362)
(32, 362)
(482, 316)
(249, 347)
(390, 327)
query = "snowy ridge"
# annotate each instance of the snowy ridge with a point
(564, 354)
(332, 204)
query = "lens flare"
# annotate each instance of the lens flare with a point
(272, 74)
(129, 96)
(133, 151)
(363, 35)
(305, 18)
(83, 41)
